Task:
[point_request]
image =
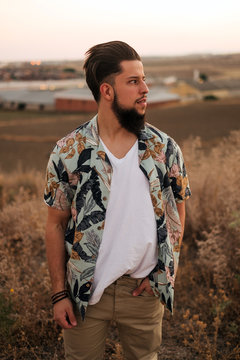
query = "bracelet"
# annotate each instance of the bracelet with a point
(59, 299)
(59, 296)
(63, 292)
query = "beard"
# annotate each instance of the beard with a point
(129, 119)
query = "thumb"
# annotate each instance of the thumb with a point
(71, 316)
(139, 289)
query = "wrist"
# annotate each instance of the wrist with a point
(60, 295)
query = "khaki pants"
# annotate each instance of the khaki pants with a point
(138, 318)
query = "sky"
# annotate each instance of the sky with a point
(66, 29)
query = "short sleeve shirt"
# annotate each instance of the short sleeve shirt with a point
(79, 178)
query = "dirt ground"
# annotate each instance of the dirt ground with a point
(27, 138)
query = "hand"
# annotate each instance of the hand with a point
(63, 314)
(145, 285)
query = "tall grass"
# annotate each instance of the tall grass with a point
(209, 278)
(208, 281)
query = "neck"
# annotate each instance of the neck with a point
(109, 126)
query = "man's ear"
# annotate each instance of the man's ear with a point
(107, 91)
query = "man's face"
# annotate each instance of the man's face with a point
(130, 100)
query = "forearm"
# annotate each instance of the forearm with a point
(56, 254)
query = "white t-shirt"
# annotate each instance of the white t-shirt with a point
(129, 243)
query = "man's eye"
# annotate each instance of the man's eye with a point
(133, 81)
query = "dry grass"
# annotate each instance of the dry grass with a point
(211, 268)
(206, 323)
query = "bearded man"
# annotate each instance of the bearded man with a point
(116, 190)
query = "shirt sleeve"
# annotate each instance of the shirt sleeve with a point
(58, 193)
(177, 174)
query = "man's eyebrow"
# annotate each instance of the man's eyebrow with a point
(136, 77)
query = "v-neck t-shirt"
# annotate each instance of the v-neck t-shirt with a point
(129, 243)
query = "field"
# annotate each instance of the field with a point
(27, 138)
(206, 323)
(215, 66)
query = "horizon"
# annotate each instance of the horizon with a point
(162, 56)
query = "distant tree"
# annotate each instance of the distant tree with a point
(203, 77)
(69, 70)
(210, 97)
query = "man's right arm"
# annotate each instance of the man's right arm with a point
(55, 248)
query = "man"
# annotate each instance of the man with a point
(115, 188)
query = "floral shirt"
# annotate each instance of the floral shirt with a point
(79, 178)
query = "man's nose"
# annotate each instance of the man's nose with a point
(144, 88)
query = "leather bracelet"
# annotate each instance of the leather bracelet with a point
(59, 294)
(59, 299)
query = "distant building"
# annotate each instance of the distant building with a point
(161, 96)
(198, 90)
(169, 80)
(75, 100)
(221, 88)
(25, 99)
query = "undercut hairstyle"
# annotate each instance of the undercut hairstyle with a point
(103, 61)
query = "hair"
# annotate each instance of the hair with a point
(103, 60)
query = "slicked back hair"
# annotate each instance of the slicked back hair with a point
(103, 60)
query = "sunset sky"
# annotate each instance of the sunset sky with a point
(65, 29)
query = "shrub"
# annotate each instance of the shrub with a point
(210, 97)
